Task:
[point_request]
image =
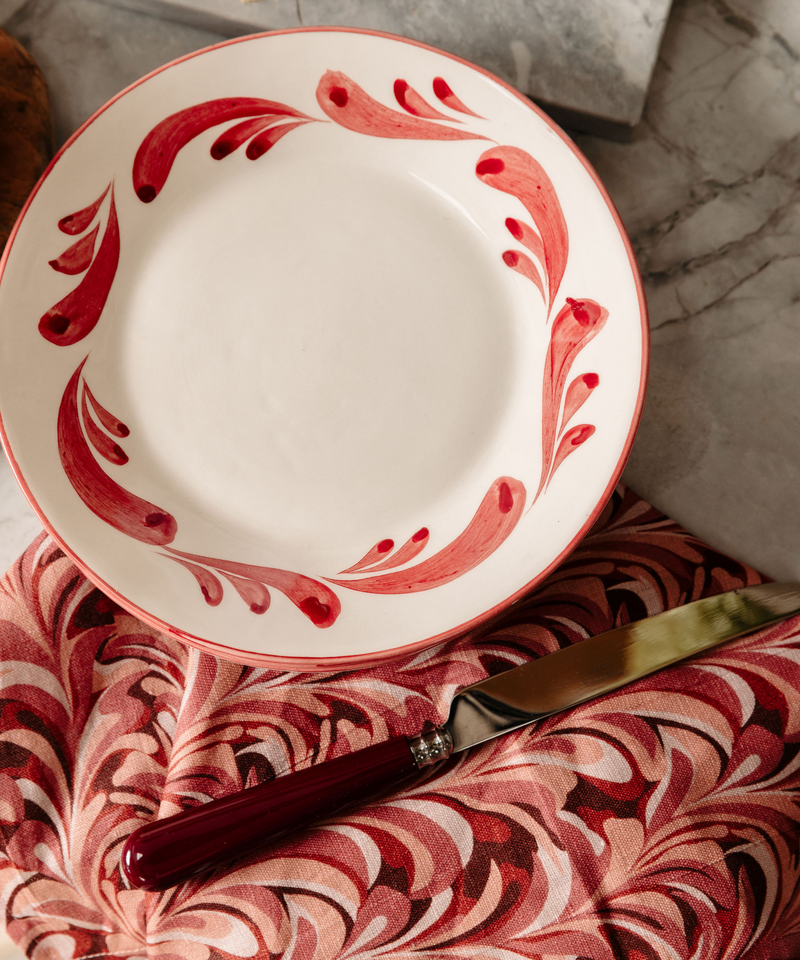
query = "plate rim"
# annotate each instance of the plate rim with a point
(371, 658)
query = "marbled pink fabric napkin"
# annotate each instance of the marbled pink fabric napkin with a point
(657, 822)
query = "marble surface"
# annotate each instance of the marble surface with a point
(708, 190)
(591, 58)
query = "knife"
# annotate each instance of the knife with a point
(166, 852)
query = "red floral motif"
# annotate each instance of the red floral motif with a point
(75, 223)
(413, 103)
(516, 172)
(74, 317)
(442, 90)
(148, 523)
(348, 105)
(114, 504)
(106, 446)
(76, 259)
(158, 150)
(495, 518)
(578, 322)
(371, 556)
(318, 602)
(415, 544)
(657, 822)
(263, 123)
(264, 131)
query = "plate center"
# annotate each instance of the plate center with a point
(315, 351)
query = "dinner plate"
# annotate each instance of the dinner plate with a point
(319, 347)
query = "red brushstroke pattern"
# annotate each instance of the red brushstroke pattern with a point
(413, 103)
(516, 172)
(158, 150)
(578, 393)
(125, 512)
(102, 443)
(527, 236)
(371, 556)
(209, 585)
(109, 421)
(410, 549)
(74, 317)
(348, 105)
(267, 139)
(494, 520)
(317, 601)
(571, 440)
(523, 264)
(658, 822)
(76, 259)
(235, 136)
(578, 322)
(75, 223)
(255, 595)
(443, 92)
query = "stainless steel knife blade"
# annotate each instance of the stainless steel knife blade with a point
(610, 660)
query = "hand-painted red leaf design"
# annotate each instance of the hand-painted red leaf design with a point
(578, 322)
(494, 520)
(209, 585)
(413, 103)
(523, 264)
(267, 139)
(125, 512)
(254, 594)
(410, 549)
(372, 556)
(317, 601)
(527, 236)
(76, 259)
(75, 223)
(235, 136)
(103, 444)
(570, 442)
(158, 150)
(578, 393)
(443, 92)
(109, 421)
(74, 317)
(516, 172)
(348, 105)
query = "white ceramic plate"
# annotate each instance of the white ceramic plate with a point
(319, 346)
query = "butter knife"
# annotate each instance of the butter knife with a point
(166, 852)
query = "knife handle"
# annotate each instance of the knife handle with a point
(166, 852)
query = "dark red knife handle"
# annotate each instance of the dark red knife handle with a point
(166, 852)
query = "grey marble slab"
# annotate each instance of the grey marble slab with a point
(708, 190)
(589, 60)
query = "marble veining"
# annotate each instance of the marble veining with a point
(708, 190)
(591, 57)
(709, 194)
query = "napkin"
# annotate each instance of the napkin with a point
(657, 822)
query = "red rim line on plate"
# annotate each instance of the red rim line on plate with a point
(251, 658)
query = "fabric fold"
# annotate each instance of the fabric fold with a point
(658, 821)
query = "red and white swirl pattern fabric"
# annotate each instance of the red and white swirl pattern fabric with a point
(659, 822)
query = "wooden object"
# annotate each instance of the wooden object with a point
(25, 129)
